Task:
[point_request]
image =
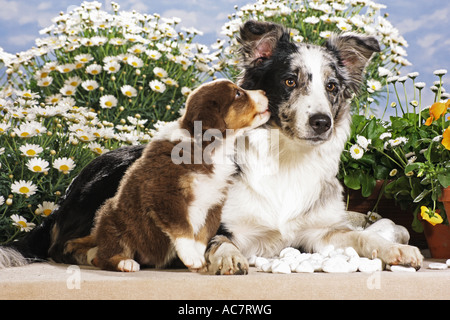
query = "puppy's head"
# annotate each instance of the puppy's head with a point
(308, 86)
(223, 105)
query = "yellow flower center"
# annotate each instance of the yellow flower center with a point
(128, 93)
(30, 152)
(47, 212)
(64, 167)
(37, 169)
(24, 190)
(90, 88)
(108, 103)
(24, 134)
(23, 224)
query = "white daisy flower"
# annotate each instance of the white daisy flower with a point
(160, 72)
(31, 150)
(85, 135)
(97, 148)
(25, 131)
(64, 165)
(135, 62)
(4, 127)
(45, 82)
(311, 20)
(112, 67)
(108, 102)
(385, 135)
(440, 72)
(185, 91)
(398, 141)
(37, 165)
(65, 68)
(94, 69)
(23, 187)
(356, 152)
(84, 58)
(153, 54)
(128, 91)
(373, 85)
(170, 82)
(73, 81)
(22, 223)
(2, 200)
(89, 85)
(68, 90)
(157, 86)
(46, 208)
(363, 142)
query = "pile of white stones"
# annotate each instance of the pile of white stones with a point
(329, 260)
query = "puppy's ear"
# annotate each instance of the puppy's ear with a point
(204, 109)
(259, 39)
(353, 52)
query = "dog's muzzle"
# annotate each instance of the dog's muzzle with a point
(320, 123)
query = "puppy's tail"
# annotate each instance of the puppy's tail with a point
(32, 248)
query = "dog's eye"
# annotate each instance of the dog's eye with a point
(238, 94)
(291, 83)
(331, 87)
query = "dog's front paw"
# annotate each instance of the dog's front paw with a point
(128, 265)
(227, 260)
(398, 254)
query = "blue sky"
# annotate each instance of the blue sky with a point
(424, 24)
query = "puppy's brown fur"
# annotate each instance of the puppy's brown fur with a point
(163, 208)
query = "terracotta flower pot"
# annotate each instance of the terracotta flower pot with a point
(438, 236)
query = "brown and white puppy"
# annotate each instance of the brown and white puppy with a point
(169, 201)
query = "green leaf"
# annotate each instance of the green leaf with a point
(352, 181)
(444, 179)
(422, 195)
(412, 166)
(368, 184)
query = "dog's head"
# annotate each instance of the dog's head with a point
(223, 105)
(308, 86)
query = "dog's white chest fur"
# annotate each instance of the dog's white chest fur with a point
(276, 201)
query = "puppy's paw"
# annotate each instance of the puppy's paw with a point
(192, 253)
(398, 254)
(227, 260)
(128, 265)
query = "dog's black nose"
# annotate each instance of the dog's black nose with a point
(320, 123)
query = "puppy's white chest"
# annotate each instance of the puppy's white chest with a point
(208, 191)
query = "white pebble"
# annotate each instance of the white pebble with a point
(259, 261)
(289, 252)
(400, 268)
(350, 252)
(304, 267)
(337, 264)
(266, 267)
(437, 266)
(252, 260)
(303, 257)
(280, 267)
(325, 251)
(370, 266)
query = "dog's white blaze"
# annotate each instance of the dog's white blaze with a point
(312, 59)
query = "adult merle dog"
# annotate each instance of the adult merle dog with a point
(286, 192)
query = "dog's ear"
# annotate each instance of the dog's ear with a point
(205, 109)
(353, 52)
(259, 39)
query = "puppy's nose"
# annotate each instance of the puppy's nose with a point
(320, 123)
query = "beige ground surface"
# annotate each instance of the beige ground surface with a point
(56, 281)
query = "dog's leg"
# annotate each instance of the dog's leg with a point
(224, 258)
(83, 250)
(371, 245)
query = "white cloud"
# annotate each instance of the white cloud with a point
(426, 21)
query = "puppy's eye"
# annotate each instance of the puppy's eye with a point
(291, 83)
(331, 87)
(238, 94)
